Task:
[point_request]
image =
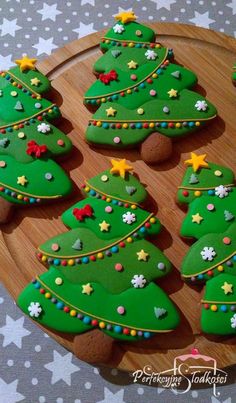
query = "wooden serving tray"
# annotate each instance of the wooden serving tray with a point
(211, 55)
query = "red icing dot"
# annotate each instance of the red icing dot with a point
(146, 125)
(124, 44)
(226, 240)
(39, 255)
(118, 126)
(152, 45)
(122, 244)
(60, 143)
(206, 306)
(147, 225)
(94, 322)
(1, 188)
(64, 263)
(40, 118)
(42, 291)
(185, 193)
(126, 205)
(133, 77)
(21, 125)
(103, 197)
(19, 86)
(93, 258)
(94, 123)
(210, 273)
(171, 124)
(118, 267)
(122, 94)
(66, 309)
(125, 330)
(149, 81)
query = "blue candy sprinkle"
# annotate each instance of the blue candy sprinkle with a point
(85, 259)
(223, 308)
(60, 305)
(117, 329)
(146, 335)
(211, 192)
(56, 262)
(87, 320)
(114, 249)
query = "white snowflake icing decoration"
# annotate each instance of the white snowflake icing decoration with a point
(208, 253)
(34, 309)
(233, 321)
(221, 191)
(43, 128)
(151, 55)
(118, 28)
(129, 217)
(138, 281)
(201, 105)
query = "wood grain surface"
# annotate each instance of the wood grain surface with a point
(211, 55)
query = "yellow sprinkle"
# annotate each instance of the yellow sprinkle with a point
(72, 312)
(71, 262)
(154, 75)
(99, 123)
(129, 91)
(158, 45)
(103, 100)
(214, 308)
(49, 110)
(15, 127)
(152, 220)
(108, 199)
(19, 197)
(133, 332)
(125, 125)
(107, 41)
(129, 240)
(14, 84)
(178, 125)
(151, 125)
(44, 258)
(100, 255)
(48, 295)
(197, 124)
(38, 97)
(133, 206)
(220, 268)
(102, 325)
(131, 45)
(197, 193)
(86, 189)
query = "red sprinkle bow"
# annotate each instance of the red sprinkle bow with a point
(81, 213)
(35, 149)
(106, 78)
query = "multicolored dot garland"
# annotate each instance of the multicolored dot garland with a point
(229, 261)
(222, 307)
(88, 319)
(199, 192)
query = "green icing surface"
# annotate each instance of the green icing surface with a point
(193, 263)
(22, 108)
(37, 185)
(219, 322)
(206, 179)
(118, 286)
(132, 300)
(213, 220)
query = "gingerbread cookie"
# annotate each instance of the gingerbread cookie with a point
(101, 273)
(210, 256)
(29, 141)
(209, 191)
(219, 306)
(140, 92)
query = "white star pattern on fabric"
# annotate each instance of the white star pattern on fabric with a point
(45, 46)
(84, 29)
(91, 2)
(43, 128)
(208, 253)
(215, 400)
(129, 217)
(110, 397)
(150, 54)
(9, 27)
(138, 281)
(201, 105)
(9, 392)
(221, 191)
(6, 62)
(13, 331)
(233, 6)
(61, 367)
(233, 321)
(202, 20)
(49, 12)
(163, 4)
(34, 309)
(118, 28)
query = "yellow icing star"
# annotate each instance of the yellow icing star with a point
(104, 226)
(132, 64)
(21, 180)
(126, 16)
(142, 255)
(197, 218)
(197, 161)
(172, 93)
(120, 167)
(26, 64)
(228, 288)
(35, 81)
(111, 112)
(87, 289)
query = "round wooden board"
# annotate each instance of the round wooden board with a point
(211, 55)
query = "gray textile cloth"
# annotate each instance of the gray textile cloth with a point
(33, 367)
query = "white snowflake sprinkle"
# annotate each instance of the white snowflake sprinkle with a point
(118, 28)
(138, 281)
(221, 191)
(208, 253)
(151, 55)
(129, 217)
(201, 105)
(233, 321)
(43, 128)
(34, 309)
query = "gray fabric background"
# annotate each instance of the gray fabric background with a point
(33, 367)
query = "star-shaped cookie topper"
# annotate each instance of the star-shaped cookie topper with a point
(142, 255)
(111, 111)
(197, 218)
(197, 161)
(22, 180)
(26, 63)
(126, 16)
(87, 289)
(228, 288)
(120, 167)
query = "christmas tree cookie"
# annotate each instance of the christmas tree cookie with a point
(143, 99)
(219, 306)
(29, 142)
(101, 272)
(210, 256)
(208, 190)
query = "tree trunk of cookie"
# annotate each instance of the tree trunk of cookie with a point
(156, 148)
(93, 347)
(5, 210)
